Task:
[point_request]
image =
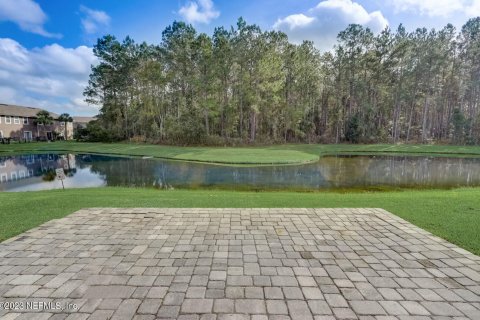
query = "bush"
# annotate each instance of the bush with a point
(353, 133)
(80, 134)
(188, 130)
(94, 132)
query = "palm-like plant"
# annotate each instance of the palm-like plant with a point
(65, 117)
(43, 118)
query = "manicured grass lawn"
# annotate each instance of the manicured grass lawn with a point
(248, 156)
(289, 153)
(451, 214)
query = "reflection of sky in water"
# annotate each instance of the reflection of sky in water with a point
(83, 178)
(28, 173)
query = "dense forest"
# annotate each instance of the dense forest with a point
(245, 85)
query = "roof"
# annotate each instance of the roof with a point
(83, 119)
(20, 111)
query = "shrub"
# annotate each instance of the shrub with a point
(187, 130)
(95, 132)
(352, 134)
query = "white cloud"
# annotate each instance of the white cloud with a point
(94, 20)
(200, 11)
(437, 8)
(27, 14)
(473, 10)
(51, 77)
(322, 23)
(295, 21)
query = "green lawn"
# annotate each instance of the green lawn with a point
(451, 214)
(248, 156)
(277, 154)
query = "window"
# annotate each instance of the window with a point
(16, 120)
(13, 175)
(27, 135)
(8, 119)
(4, 177)
(25, 120)
(31, 159)
(1, 134)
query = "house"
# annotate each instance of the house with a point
(81, 122)
(18, 123)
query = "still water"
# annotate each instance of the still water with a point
(37, 172)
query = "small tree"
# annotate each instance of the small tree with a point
(65, 118)
(458, 120)
(353, 131)
(43, 118)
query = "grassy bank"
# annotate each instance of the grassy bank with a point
(278, 154)
(451, 214)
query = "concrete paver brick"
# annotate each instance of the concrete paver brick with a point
(227, 264)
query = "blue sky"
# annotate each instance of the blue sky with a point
(46, 45)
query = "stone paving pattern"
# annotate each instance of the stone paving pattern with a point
(228, 264)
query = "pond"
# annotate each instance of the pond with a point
(37, 172)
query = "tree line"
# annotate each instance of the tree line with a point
(245, 85)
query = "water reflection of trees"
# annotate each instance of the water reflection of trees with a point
(344, 171)
(120, 171)
(328, 172)
(401, 171)
(167, 174)
(340, 172)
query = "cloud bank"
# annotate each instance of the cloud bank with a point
(200, 11)
(27, 14)
(51, 77)
(438, 8)
(322, 23)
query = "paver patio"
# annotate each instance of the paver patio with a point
(236, 264)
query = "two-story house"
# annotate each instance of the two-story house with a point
(19, 123)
